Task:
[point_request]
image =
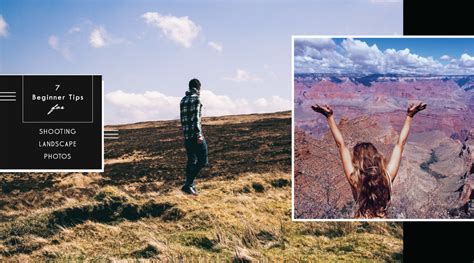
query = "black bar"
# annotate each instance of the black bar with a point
(436, 241)
(452, 17)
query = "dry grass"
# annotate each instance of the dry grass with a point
(228, 221)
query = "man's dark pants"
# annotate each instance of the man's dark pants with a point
(197, 159)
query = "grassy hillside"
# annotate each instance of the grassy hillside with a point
(135, 209)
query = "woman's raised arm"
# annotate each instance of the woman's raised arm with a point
(344, 152)
(395, 159)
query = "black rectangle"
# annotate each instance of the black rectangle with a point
(437, 18)
(69, 140)
(438, 241)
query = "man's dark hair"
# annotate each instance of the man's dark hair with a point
(195, 83)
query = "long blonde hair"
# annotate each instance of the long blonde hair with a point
(373, 188)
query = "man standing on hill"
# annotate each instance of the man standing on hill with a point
(196, 146)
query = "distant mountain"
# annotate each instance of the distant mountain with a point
(450, 98)
(464, 81)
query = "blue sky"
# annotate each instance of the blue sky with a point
(240, 50)
(426, 47)
(385, 55)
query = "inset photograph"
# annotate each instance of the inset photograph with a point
(383, 127)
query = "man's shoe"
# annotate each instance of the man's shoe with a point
(193, 187)
(188, 190)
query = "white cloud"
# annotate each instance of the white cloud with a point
(74, 30)
(403, 61)
(365, 57)
(243, 76)
(318, 43)
(216, 46)
(319, 55)
(153, 105)
(313, 46)
(135, 107)
(181, 30)
(445, 57)
(218, 105)
(274, 103)
(3, 27)
(55, 44)
(98, 37)
(357, 56)
(466, 61)
(53, 41)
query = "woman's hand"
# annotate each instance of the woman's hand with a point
(414, 108)
(324, 110)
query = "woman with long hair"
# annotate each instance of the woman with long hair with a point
(368, 172)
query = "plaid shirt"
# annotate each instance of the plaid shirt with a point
(191, 115)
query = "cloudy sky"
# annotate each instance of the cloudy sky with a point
(384, 55)
(148, 50)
